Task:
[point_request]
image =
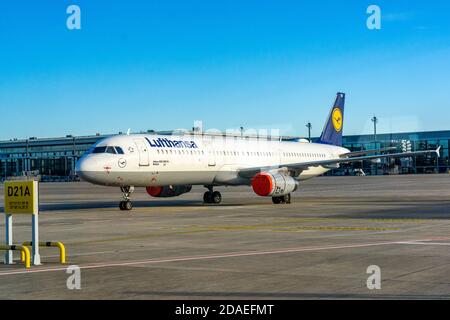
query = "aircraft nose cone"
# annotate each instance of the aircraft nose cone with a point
(84, 169)
(79, 168)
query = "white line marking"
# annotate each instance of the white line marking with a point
(426, 243)
(212, 256)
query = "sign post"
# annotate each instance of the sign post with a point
(36, 258)
(9, 239)
(22, 197)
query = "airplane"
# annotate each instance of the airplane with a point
(169, 165)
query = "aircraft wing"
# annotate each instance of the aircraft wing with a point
(363, 152)
(331, 163)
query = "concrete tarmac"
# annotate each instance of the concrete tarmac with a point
(318, 247)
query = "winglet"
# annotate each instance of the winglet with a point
(438, 151)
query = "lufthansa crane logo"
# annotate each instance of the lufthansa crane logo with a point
(122, 163)
(336, 117)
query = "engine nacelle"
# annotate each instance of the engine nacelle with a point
(267, 184)
(168, 191)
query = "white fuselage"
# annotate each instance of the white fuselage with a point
(157, 160)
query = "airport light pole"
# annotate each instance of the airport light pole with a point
(26, 158)
(309, 126)
(74, 157)
(375, 121)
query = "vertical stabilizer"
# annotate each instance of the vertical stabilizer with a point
(332, 132)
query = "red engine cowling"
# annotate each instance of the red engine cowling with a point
(168, 191)
(267, 184)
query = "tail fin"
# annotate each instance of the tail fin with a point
(332, 132)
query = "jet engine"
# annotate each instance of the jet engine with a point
(267, 184)
(168, 191)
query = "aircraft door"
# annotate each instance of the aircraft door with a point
(211, 158)
(143, 152)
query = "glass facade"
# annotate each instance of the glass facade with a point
(50, 159)
(54, 159)
(403, 142)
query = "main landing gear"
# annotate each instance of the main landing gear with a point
(212, 196)
(282, 199)
(126, 204)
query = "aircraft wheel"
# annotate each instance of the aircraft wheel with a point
(128, 205)
(208, 197)
(125, 205)
(276, 200)
(216, 197)
(287, 198)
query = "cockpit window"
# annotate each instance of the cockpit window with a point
(99, 150)
(109, 149)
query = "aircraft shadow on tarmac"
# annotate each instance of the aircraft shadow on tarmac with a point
(437, 210)
(136, 204)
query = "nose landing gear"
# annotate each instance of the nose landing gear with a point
(126, 204)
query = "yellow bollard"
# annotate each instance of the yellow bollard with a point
(62, 252)
(24, 251)
(24, 254)
(59, 245)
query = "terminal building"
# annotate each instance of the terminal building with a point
(409, 141)
(54, 159)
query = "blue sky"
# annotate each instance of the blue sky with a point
(261, 64)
